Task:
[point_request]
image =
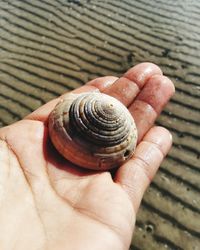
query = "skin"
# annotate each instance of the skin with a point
(48, 203)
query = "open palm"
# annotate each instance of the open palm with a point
(48, 203)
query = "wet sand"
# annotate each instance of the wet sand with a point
(49, 47)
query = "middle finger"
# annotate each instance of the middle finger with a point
(127, 87)
(150, 102)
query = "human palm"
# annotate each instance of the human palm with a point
(47, 202)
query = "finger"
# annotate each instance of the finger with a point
(103, 82)
(135, 175)
(126, 88)
(150, 102)
(42, 113)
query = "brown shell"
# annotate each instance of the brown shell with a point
(93, 130)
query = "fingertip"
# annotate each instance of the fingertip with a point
(102, 82)
(165, 81)
(157, 92)
(142, 72)
(82, 89)
(161, 137)
(164, 131)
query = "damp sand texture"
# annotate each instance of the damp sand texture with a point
(52, 46)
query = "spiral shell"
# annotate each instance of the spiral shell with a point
(93, 130)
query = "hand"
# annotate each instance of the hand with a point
(48, 203)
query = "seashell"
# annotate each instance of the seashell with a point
(93, 130)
